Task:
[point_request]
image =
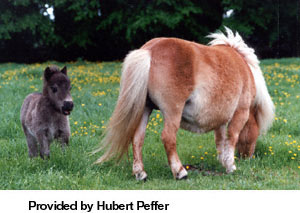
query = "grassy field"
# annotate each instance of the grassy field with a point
(276, 164)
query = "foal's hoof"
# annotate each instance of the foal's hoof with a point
(141, 176)
(182, 175)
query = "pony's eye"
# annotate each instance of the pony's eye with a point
(54, 89)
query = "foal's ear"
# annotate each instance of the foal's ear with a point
(48, 73)
(64, 70)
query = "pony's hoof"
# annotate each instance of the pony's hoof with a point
(141, 176)
(231, 169)
(182, 175)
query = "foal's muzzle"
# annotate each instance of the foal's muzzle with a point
(67, 107)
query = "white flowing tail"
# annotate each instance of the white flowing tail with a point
(130, 105)
(263, 101)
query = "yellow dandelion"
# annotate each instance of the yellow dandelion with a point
(157, 115)
(201, 158)
(75, 122)
(200, 147)
(187, 167)
(293, 158)
(83, 105)
(205, 153)
(290, 151)
(100, 104)
(193, 156)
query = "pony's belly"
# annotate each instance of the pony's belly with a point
(202, 114)
(202, 125)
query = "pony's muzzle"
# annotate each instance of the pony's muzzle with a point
(67, 107)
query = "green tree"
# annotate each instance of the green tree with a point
(24, 30)
(271, 26)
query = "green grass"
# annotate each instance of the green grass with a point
(95, 90)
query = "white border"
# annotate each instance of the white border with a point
(180, 201)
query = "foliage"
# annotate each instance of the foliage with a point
(101, 29)
(108, 29)
(271, 26)
(95, 90)
(142, 20)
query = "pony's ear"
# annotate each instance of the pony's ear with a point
(64, 70)
(48, 73)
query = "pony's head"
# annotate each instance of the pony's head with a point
(57, 88)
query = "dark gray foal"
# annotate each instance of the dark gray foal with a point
(44, 116)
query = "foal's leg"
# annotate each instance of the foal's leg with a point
(138, 141)
(44, 144)
(172, 118)
(64, 138)
(32, 145)
(234, 128)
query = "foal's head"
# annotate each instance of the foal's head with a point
(57, 88)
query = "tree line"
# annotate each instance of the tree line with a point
(64, 30)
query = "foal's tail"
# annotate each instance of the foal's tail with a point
(263, 102)
(130, 106)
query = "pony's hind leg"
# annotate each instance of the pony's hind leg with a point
(237, 123)
(248, 136)
(138, 141)
(172, 120)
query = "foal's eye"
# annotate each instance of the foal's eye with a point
(54, 89)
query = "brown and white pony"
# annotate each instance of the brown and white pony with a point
(199, 88)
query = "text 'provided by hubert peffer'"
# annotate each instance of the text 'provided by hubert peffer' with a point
(98, 206)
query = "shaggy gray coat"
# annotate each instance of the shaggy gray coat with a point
(44, 116)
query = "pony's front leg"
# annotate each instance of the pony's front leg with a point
(138, 141)
(31, 144)
(171, 126)
(220, 139)
(44, 144)
(234, 128)
(63, 138)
